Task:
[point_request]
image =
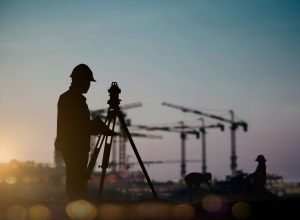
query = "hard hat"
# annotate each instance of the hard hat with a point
(260, 158)
(82, 71)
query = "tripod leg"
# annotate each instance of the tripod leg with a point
(94, 157)
(123, 124)
(104, 166)
(105, 160)
(96, 151)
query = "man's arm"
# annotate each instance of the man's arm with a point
(97, 126)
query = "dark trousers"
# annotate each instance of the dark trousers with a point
(76, 180)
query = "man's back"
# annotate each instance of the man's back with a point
(73, 120)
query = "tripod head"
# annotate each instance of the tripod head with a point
(114, 100)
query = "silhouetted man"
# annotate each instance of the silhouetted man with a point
(74, 129)
(260, 175)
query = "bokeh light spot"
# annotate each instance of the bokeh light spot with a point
(111, 178)
(10, 180)
(212, 203)
(183, 212)
(39, 212)
(81, 209)
(52, 165)
(241, 210)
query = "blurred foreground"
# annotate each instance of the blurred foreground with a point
(31, 191)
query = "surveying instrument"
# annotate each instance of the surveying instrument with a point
(113, 113)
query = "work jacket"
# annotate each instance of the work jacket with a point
(74, 125)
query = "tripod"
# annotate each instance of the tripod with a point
(112, 114)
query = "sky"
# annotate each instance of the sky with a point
(206, 55)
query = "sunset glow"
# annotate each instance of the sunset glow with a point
(7, 150)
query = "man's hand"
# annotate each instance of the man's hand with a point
(101, 128)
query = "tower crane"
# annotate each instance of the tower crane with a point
(234, 126)
(183, 136)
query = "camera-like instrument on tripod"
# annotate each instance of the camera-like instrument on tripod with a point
(112, 114)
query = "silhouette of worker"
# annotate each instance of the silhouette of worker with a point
(194, 181)
(74, 128)
(260, 175)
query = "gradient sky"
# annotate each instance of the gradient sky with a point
(207, 55)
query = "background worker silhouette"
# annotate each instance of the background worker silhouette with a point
(74, 128)
(260, 175)
(194, 181)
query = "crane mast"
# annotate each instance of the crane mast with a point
(203, 134)
(234, 125)
(122, 150)
(203, 146)
(183, 137)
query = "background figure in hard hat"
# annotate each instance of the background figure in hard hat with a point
(74, 129)
(260, 175)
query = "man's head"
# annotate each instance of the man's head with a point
(260, 159)
(82, 76)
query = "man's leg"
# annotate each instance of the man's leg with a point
(82, 176)
(76, 182)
